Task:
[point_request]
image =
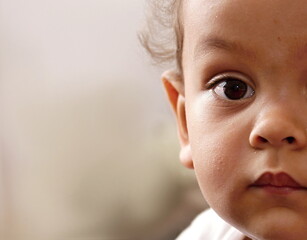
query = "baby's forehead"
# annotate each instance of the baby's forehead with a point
(251, 27)
(258, 11)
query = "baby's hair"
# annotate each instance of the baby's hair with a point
(162, 35)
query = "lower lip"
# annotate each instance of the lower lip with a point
(279, 190)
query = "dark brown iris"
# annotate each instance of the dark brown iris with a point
(235, 89)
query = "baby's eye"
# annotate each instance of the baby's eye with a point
(232, 88)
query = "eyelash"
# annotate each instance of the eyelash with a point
(239, 88)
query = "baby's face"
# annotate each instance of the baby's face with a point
(245, 92)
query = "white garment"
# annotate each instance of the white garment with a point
(209, 226)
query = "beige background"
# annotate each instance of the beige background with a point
(88, 146)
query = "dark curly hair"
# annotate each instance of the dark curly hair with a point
(162, 35)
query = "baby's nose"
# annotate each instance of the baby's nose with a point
(277, 129)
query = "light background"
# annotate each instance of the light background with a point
(88, 143)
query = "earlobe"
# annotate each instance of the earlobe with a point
(186, 156)
(174, 86)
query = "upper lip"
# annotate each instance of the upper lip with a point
(276, 180)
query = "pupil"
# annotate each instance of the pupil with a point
(235, 89)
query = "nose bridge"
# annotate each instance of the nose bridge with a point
(279, 124)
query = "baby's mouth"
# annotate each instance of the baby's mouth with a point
(280, 183)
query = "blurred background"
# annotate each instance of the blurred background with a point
(88, 144)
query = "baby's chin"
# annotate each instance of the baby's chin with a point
(275, 224)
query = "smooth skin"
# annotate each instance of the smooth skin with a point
(231, 141)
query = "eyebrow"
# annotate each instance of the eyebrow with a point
(207, 45)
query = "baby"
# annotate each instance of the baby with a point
(239, 93)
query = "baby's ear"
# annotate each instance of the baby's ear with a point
(174, 86)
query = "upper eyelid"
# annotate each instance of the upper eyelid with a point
(220, 77)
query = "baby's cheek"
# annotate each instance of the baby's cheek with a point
(212, 166)
(218, 167)
(220, 151)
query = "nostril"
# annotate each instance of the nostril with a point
(290, 140)
(262, 139)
